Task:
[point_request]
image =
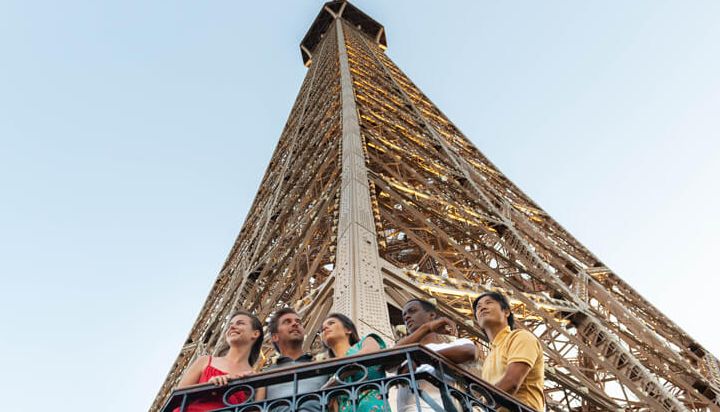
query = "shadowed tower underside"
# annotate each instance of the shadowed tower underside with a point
(373, 197)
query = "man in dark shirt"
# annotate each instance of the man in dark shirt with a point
(288, 335)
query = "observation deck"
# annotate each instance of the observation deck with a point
(460, 390)
(351, 14)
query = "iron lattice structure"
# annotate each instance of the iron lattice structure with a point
(373, 196)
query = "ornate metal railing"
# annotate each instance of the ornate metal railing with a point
(454, 389)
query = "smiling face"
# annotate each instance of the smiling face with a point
(240, 330)
(414, 315)
(289, 330)
(489, 313)
(333, 330)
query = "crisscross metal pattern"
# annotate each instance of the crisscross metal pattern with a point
(373, 196)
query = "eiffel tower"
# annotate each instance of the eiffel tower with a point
(373, 196)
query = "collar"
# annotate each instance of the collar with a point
(305, 357)
(500, 337)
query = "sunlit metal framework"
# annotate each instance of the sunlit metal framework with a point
(373, 196)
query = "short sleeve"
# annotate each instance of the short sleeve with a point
(523, 347)
(461, 342)
(377, 338)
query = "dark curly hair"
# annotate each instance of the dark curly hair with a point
(427, 306)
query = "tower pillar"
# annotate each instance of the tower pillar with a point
(359, 291)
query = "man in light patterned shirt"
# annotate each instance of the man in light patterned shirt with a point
(425, 326)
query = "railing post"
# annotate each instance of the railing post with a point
(183, 405)
(445, 392)
(414, 387)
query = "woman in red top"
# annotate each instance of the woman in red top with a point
(244, 336)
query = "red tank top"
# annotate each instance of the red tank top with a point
(215, 401)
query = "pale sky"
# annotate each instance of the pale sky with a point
(134, 134)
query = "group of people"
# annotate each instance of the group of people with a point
(514, 364)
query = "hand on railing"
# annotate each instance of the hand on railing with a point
(330, 383)
(427, 374)
(222, 380)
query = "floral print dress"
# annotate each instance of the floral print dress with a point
(369, 400)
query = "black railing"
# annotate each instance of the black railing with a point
(453, 389)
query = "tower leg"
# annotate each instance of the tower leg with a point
(359, 291)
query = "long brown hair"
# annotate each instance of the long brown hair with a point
(256, 325)
(349, 325)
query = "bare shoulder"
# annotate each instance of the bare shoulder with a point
(193, 372)
(373, 341)
(201, 361)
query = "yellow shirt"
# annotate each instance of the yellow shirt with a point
(518, 346)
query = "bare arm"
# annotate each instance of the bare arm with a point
(514, 377)
(461, 353)
(414, 337)
(441, 325)
(369, 346)
(193, 373)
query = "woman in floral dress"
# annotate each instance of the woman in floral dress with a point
(340, 337)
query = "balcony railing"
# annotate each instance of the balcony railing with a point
(460, 391)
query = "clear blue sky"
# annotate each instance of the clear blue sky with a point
(133, 136)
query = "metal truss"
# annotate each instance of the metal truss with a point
(373, 196)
